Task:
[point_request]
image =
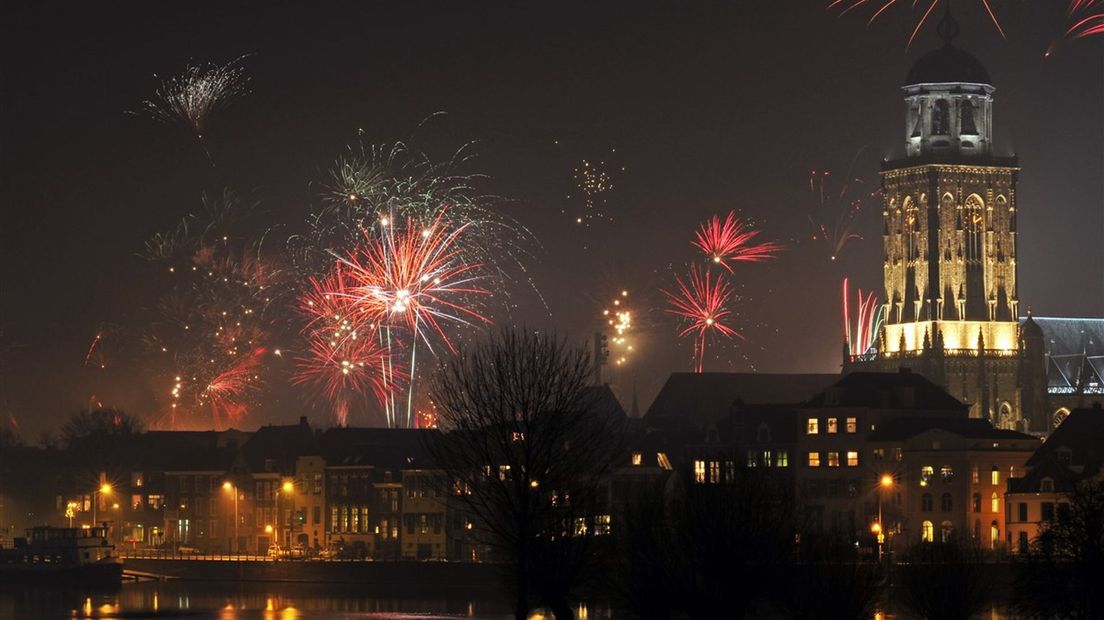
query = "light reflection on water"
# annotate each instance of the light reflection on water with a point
(275, 601)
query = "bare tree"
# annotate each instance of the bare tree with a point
(526, 445)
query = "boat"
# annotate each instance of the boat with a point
(62, 555)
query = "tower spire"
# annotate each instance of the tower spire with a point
(948, 26)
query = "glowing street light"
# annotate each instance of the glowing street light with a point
(105, 489)
(885, 482)
(228, 486)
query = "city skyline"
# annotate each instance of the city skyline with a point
(707, 112)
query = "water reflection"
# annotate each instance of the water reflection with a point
(278, 601)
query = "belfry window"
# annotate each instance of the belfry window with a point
(941, 118)
(974, 225)
(967, 124)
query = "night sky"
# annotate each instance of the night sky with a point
(708, 107)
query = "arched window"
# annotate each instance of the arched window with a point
(994, 502)
(926, 502)
(941, 118)
(912, 229)
(1005, 415)
(927, 531)
(945, 502)
(1060, 416)
(994, 534)
(977, 502)
(946, 531)
(762, 433)
(966, 113)
(973, 223)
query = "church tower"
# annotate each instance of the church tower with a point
(950, 237)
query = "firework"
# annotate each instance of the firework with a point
(731, 241)
(217, 317)
(595, 180)
(193, 96)
(927, 7)
(835, 208)
(618, 319)
(863, 339)
(1086, 19)
(702, 302)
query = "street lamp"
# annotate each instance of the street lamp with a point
(104, 489)
(228, 486)
(287, 488)
(885, 482)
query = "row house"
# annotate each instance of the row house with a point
(1071, 455)
(945, 479)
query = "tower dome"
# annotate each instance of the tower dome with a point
(949, 102)
(948, 64)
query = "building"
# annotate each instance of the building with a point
(1074, 452)
(952, 306)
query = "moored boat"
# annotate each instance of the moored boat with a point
(62, 555)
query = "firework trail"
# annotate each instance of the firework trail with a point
(863, 339)
(218, 315)
(927, 7)
(193, 96)
(1086, 19)
(92, 350)
(421, 250)
(702, 301)
(835, 209)
(731, 241)
(403, 283)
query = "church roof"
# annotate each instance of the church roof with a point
(1075, 352)
(948, 64)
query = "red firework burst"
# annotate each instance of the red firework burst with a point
(846, 6)
(732, 241)
(226, 391)
(702, 300)
(345, 360)
(414, 277)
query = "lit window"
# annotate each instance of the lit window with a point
(751, 460)
(637, 458)
(974, 474)
(714, 472)
(994, 476)
(994, 503)
(503, 472)
(927, 531)
(155, 501)
(879, 454)
(898, 454)
(699, 472)
(833, 459)
(601, 525)
(814, 459)
(812, 427)
(136, 479)
(730, 471)
(664, 462)
(518, 436)
(580, 526)
(852, 459)
(782, 458)
(832, 425)
(946, 473)
(766, 458)
(977, 502)
(852, 425)
(926, 473)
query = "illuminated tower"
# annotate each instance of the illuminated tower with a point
(950, 237)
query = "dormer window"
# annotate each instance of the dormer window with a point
(1064, 455)
(1046, 485)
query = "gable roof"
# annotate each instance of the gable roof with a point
(887, 390)
(1075, 352)
(705, 397)
(1082, 433)
(900, 429)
